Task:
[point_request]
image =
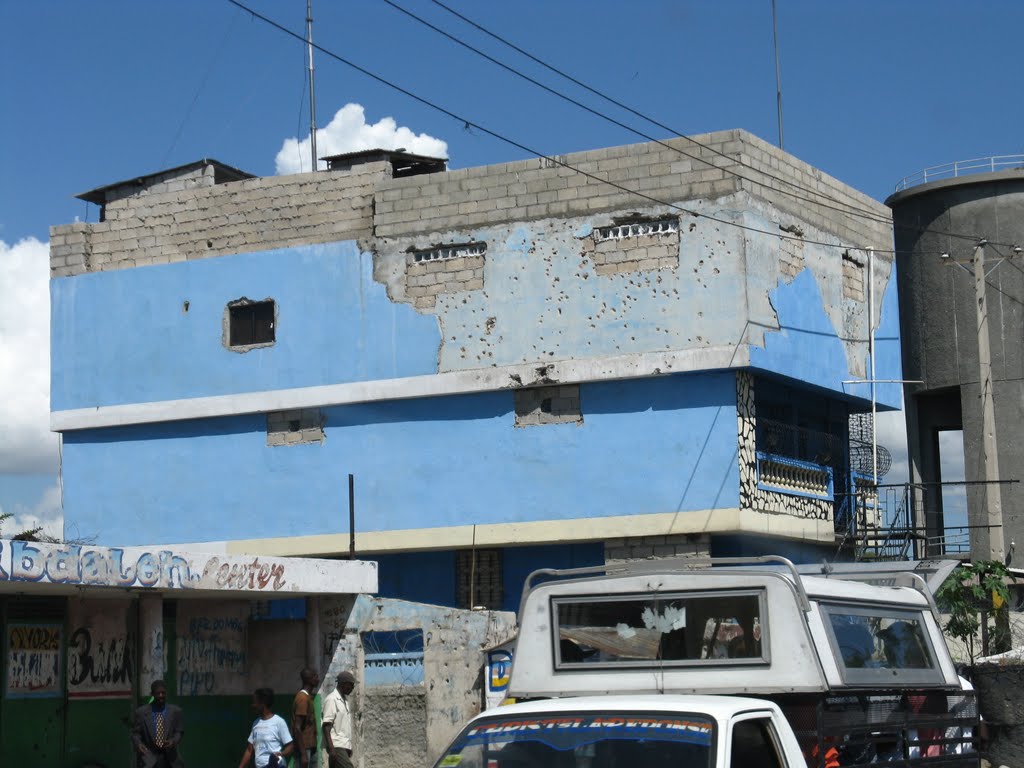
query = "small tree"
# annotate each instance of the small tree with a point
(971, 594)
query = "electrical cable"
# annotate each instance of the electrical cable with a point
(841, 207)
(536, 153)
(202, 84)
(850, 208)
(989, 283)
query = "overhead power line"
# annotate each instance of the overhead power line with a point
(840, 206)
(849, 208)
(525, 148)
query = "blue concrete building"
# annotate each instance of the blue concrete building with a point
(646, 350)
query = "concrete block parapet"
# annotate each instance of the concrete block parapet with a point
(706, 167)
(183, 221)
(190, 215)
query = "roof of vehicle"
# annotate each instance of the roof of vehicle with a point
(718, 707)
(817, 586)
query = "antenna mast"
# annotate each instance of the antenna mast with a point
(312, 90)
(778, 72)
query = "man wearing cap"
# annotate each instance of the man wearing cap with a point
(337, 722)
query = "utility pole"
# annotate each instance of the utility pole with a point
(312, 89)
(871, 358)
(989, 446)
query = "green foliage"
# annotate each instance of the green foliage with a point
(29, 535)
(972, 591)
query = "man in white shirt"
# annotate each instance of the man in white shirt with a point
(270, 741)
(337, 722)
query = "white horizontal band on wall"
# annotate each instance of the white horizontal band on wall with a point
(633, 366)
(574, 530)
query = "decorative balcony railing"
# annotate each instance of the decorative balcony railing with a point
(793, 476)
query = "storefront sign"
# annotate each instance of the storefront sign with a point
(33, 660)
(160, 568)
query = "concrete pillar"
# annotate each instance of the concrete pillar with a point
(152, 652)
(314, 649)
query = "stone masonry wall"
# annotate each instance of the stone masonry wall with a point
(250, 215)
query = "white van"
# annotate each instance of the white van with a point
(721, 664)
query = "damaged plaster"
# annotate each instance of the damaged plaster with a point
(559, 289)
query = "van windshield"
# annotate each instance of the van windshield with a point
(584, 740)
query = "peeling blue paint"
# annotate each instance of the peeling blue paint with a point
(806, 348)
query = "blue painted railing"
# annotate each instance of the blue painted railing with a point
(794, 477)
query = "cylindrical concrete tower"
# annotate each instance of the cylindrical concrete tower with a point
(938, 225)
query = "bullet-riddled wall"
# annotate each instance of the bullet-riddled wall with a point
(519, 353)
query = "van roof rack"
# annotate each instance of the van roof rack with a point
(667, 565)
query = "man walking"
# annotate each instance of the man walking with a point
(337, 722)
(157, 729)
(304, 720)
(270, 743)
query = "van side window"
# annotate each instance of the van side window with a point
(676, 628)
(753, 745)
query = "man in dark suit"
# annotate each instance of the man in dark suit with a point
(157, 730)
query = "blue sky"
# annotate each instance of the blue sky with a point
(93, 93)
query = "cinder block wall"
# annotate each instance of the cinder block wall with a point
(199, 222)
(538, 189)
(184, 220)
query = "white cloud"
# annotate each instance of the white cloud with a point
(27, 446)
(891, 432)
(45, 513)
(349, 132)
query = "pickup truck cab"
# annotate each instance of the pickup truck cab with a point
(727, 665)
(628, 732)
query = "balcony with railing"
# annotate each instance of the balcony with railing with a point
(798, 461)
(908, 523)
(792, 476)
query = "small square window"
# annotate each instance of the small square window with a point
(251, 323)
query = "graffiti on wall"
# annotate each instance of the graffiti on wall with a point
(334, 614)
(101, 650)
(33, 660)
(211, 648)
(137, 567)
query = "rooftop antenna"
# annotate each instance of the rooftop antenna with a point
(312, 90)
(778, 71)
